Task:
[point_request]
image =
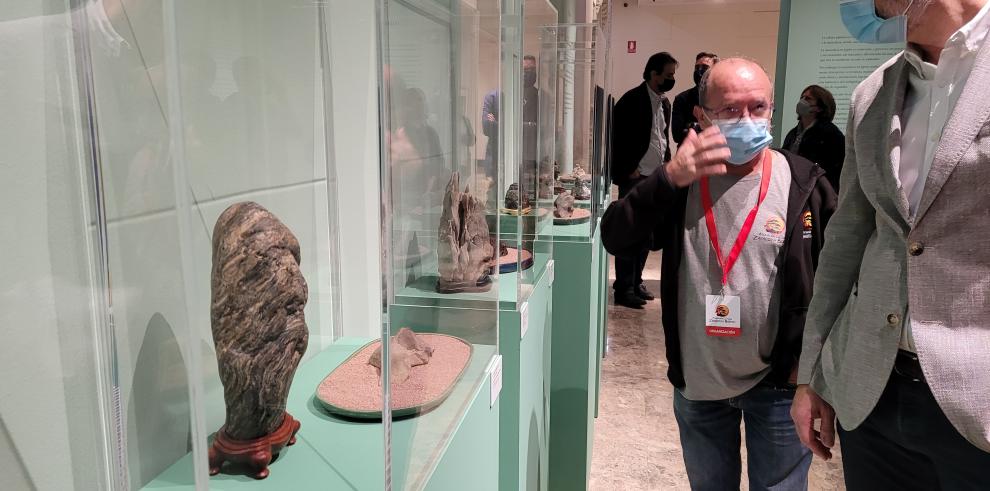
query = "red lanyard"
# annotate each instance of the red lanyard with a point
(706, 201)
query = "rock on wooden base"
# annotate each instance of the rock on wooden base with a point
(256, 453)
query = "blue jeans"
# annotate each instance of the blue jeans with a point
(710, 439)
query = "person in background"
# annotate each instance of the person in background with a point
(640, 146)
(815, 137)
(898, 336)
(683, 118)
(741, 227)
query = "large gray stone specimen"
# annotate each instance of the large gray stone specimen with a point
(563, 206)
(406, 351)
(464, 252)
(514, 200)
(259, 328)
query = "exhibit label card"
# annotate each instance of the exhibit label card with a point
(550, 271)
(523, 319)
(496, 379)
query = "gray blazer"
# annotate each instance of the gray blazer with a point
(876, 262)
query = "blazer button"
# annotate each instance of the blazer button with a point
(916, 249)
(893, 320)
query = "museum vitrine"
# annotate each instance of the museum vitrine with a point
(184, 215)
(445, 127)
(582, 119)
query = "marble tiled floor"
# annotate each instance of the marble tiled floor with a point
(636, 442)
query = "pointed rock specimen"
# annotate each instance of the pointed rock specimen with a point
(406, 351)
(563, 206)
(259, 327)
(464, 252)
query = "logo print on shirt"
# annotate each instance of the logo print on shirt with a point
(775, 225)
(772, 232)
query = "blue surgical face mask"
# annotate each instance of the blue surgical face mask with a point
(862, 22)
(745, 138)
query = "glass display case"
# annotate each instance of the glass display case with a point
(527, 136)
(582, 124)
(447, 127)
(183, 210)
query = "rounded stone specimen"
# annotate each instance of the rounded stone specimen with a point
(563, 206)
(259, 327)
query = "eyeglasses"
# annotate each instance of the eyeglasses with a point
(735, 113)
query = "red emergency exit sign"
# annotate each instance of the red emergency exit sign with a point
(631, 47)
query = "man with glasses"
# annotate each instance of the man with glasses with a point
(741, 228)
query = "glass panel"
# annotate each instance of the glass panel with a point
(444, 108)
(582, 55)
(59, 388)
(528, 98)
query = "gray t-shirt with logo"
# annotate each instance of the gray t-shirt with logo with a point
(717, 368)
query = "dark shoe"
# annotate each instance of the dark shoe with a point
(643, 293)
(628, 298)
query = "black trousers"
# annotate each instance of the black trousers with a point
(907, 443)
(629, 270)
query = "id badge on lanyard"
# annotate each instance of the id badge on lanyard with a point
(723, 313)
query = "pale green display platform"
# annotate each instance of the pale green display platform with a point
(575, 355)
(524, 415)
(340, 454)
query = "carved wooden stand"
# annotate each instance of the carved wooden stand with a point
(256, 453)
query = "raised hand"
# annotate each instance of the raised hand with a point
(699, 155)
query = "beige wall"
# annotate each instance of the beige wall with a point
(731, 28)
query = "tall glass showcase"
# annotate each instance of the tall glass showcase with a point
(444, 111)
(184, 316)
(582, 122)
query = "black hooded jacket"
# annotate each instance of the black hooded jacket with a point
(656, 207)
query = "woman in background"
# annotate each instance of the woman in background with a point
(815, 137)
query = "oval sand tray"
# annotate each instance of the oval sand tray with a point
(580, 215)
(353, 389)
(509, 263)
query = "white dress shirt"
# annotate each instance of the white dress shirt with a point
(932, 95)
(658, 144)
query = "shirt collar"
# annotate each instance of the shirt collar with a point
(969, 37)
(972, 35)
(653, 95)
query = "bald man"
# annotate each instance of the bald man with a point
(741, 228)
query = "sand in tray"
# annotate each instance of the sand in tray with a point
(356, 386)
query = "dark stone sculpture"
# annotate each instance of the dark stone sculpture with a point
(582, 191)
(259, 330)
(516, 201)
(407, 351)
(464, 252)
(563, 206)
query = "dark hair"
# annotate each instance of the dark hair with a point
(705, 54)
(657, 63)
(826, 102)
(529, 58)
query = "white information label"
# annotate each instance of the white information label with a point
(523, 319)
(550, 271)
(496, 379)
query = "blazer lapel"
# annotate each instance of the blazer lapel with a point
(969, 116)
(881, 128)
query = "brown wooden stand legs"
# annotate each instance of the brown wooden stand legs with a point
(256, 453)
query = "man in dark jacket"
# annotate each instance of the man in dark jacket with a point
(741, 228)
(682, 118)
(640, 146)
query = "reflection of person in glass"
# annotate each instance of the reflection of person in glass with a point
(530, 113)
(530, 117)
